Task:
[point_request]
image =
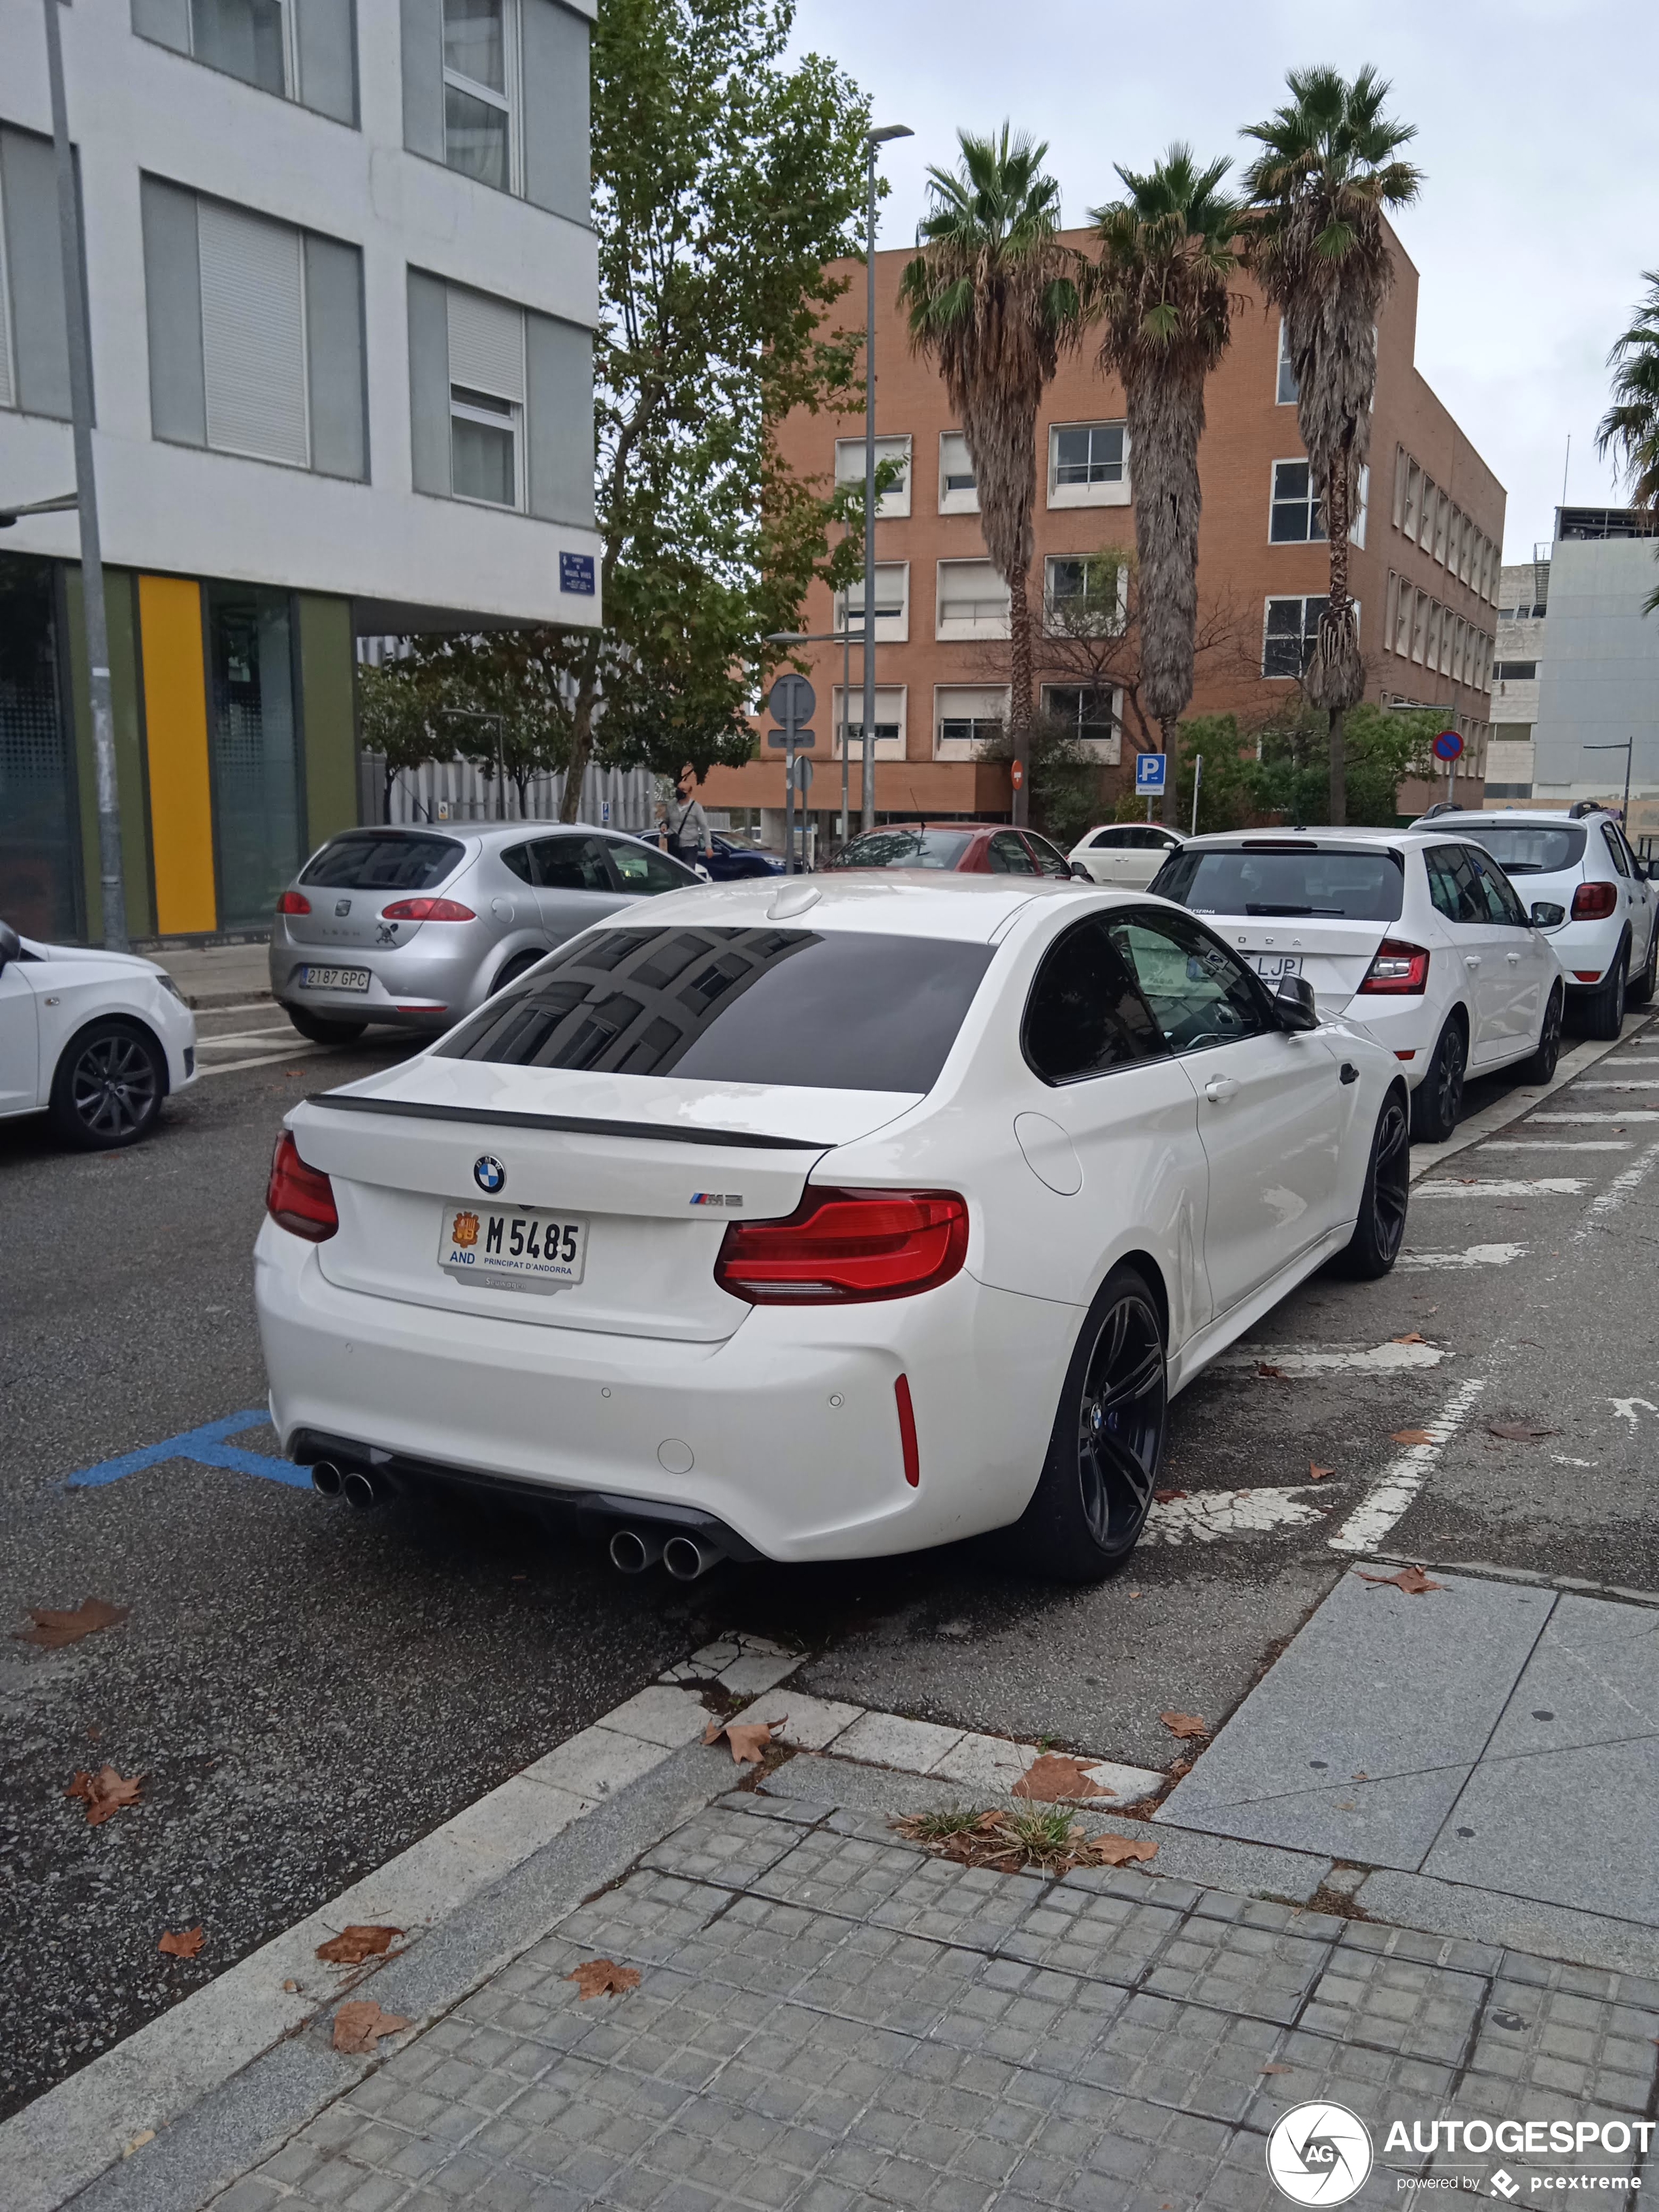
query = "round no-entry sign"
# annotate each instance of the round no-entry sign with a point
(1447, 745)
(1017, 774)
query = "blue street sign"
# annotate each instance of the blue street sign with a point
(1148, 771)
(576, 574)
(1447, 745)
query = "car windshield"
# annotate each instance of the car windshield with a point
(913, 848)
(376, 862)
(848, 1010)
(1532, 849)
(1337, 883)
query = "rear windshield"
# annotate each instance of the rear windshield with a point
(847, 1011)
(1533, 849)
(904, 849)
(1340, 885)
(369, 862)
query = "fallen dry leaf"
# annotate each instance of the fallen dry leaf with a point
(1411, 1336)
(1410, 1436)
(1412, 1580)
(1178, 1767)
(750, 1739)
(180, 1946)
(105, 1793)
(358, 2026)
(144, 2136)
(1273, 2069)
(599, 1978)
(51, 1630)
(1318, 1473)
(1053, 1779)
(1520, 1432)
(291, 1987)
(1184, 1724)
(1116, 1850)
(355, 1943)
(1167, 1497)
(1268, 1373)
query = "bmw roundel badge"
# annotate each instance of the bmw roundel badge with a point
(488, 1174)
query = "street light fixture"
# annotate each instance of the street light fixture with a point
(873, 139)
(65, 503)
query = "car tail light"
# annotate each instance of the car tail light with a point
(300, 1199)
(294, 903)
(1398, 967)
(841, 1245)
(1595, 901)
(427, 910)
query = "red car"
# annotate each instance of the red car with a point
(975, 848)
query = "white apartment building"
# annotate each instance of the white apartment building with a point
(1523, 597)
(342, 285)
(1598, 666)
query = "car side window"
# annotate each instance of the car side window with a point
(1610, 838)
(570, 863)
(1454, 886)
(1107, 838)
(517, 862)
(1200, 994)
(1084, 1015)
(1050, 860)
(647, 874)
(1007, 856)
(1502, 905)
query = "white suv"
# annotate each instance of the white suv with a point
(1414, 936)
(1577, 860)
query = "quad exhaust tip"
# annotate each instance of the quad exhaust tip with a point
(633, 1551)
(326, 1480)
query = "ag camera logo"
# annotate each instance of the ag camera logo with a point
(1318, 2153)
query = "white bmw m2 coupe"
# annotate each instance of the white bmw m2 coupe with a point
(821, 1220)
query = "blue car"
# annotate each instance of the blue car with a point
(732, 862)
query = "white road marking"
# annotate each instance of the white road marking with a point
(1641, 1060)
(1208, 1516)
(1558, 1144)
(242, 1037)
(1472, 1255)
(260, 1059)
(253, 1006)
(1620, 1083)
(1425, 1159)
(1297, 1360)
(1617, 1192)
(1537, 1187)
(1633, 1114)
(1387, 1499)
(1560, 1459)
(1625, 1409)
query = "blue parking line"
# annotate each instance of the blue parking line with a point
(207, 1446)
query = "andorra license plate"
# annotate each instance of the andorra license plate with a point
(334, 979)
(512, 1247)
(1273, 967)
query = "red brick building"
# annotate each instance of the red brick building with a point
(1425, 564)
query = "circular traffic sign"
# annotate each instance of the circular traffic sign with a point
(803, 775)
(1017, 774)
(791, 699)
(1447, 745)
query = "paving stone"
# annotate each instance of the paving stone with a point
(888, 1740)
(1423, 2010)
(1257, 1972)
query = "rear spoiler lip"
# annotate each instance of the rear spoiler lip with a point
(573, 1124)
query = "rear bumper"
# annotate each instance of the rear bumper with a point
(424, 984)
(1407, 1025)
(787, 1433)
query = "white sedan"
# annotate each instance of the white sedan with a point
(95, 1039)
(823, 1220)
(1125, 856)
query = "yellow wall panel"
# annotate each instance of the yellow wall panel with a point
(176, 745)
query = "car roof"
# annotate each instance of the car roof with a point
(898, 902)
(490, 831)
(1233, 841)
(1553, 818)
(916, 822)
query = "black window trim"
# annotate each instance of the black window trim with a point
(1097, 921)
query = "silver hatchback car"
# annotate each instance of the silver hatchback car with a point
(416, 928)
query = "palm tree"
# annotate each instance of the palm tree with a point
(1630, 428)
(1167, 252)
(994, 299)
(1318, 246)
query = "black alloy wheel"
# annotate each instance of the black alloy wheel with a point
(1380, 1228)
(1640, 989)
(108, 1088)
(1107, 1447)
(1439, 1097)
(1604, 1008)
(1539, 1067)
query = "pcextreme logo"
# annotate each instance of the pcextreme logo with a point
(1318, 2153)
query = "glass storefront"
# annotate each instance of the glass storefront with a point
(255, 737)
(39, 875)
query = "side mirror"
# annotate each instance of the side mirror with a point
(1293, 1003)
(11, 945)
(1545, 914)
(1080, 874)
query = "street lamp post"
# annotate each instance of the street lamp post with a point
(876, 138)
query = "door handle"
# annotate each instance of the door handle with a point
(1471, 959)
(1514, 959)
(1220, 1088)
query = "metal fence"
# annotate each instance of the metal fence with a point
(459, 791)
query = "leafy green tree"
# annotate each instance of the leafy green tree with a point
(1168, 252)
(1065, 783)
(1227, 795)
(1385, 745)
(1318, 244)
(1630, 428)
(994, 299)
(394, 719)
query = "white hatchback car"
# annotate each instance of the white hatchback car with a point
(823, 1220)
(1416, 936)
(1125, 856)
(95, 1039)
(1579, 860)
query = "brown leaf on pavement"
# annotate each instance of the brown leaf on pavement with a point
(1266, 1372)
(51, 1630)
(598, 1977)
(1412, 1580)
(1184, 1724)
(1410, 1436)
(1318, 1473)
(104, 1793)
(1411, 1336)
(355, 1943)
(358, 2026)
(1052, 1780)
(1115, 1850)
(750, 1739)
(1520, 1432)
(1178, 1767)
(1167, 1497)
(184, 1945)
(1273, 2069)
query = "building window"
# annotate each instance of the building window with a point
(1089, 713)
(300, 50)
(1085, 595)
(847, 708)
(39, 842)
(1288, 639)
(1362, 502)
(33, 353)
(484, 447)
(480, 45)
(1285, 391)
(973, 600)
(1516, 672)
(966, 719)
(849, 470)
(257, 798)
(1295, 515)
(892, 604)
(1088, 465)
(958, 487)
(1509, 791)
(498, 90)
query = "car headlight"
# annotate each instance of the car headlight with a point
(168, 984)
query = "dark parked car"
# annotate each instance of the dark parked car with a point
(974, 849)
(733, 861)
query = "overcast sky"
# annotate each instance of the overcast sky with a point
(1537, 123)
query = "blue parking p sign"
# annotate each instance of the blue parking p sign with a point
(576, 574)
(1148, 771)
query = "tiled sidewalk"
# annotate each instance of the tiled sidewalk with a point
(829, 2018)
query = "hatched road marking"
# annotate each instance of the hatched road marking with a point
(1296, 1360)
(1387, 1499)
(1472, 1255)
(1538, 1187)
(1560, 1145)
(1617, 1192)
(1632, 1114)
(1206, 1516)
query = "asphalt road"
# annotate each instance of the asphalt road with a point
(306, 1691)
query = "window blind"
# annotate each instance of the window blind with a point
(486, 344)
(253, 338)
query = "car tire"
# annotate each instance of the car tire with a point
(1540, 1066)
(1380, 1228)
(321, 1028)
(1106, 1452)
(512, 969)
(1439, 1099)
(1640, 990)
(1602, 1011)
(107, 1089)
